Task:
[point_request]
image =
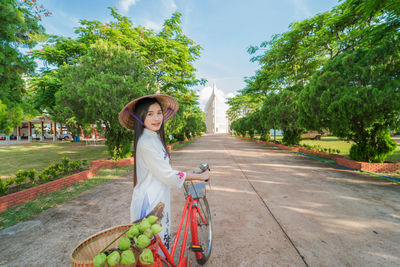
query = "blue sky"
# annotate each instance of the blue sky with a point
(225, 29)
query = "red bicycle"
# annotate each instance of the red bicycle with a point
(197, 214)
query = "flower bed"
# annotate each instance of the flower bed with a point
(340, 160)
(28, 178)
(13, 199)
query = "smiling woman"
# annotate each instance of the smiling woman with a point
(154, 117)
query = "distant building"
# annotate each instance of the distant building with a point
(215, 109)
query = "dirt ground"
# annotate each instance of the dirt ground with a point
(269, 208)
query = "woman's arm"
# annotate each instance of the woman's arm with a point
(191, 176)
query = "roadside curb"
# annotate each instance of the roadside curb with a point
(171, 146)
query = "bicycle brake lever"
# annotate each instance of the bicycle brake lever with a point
(208, 180)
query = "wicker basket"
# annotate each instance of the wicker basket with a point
(84, 253)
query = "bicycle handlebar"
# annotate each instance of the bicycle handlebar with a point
(203, 168)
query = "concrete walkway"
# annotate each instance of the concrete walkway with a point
(269, 208)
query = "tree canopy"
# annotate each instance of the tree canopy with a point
(19, 29)
(98, 86)
(336, 70)
(65, 90)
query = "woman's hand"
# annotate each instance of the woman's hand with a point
(204, 176)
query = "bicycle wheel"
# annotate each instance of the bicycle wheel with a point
(201, 228)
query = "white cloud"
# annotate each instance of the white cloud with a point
(230, 95)
(152, 25)
(169, 5)
(126, 4)
(301, 8)
(205, 93)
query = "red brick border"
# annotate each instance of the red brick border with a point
(29, 194)
(171, 146)
(340, 160)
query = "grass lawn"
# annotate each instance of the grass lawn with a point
(25, 211)
(40, 155)
(45, 153)
(336, 143)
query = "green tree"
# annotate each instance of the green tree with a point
(19, 28)
(356, 97)
(194, 122)
(174, 76)
(240, 126)
(97, 87)
(290, 59)
(287, 65)
(243, 104)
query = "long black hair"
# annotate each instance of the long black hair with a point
(141, 109)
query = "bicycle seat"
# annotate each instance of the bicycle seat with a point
(198, 191)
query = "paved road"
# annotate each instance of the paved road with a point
(275, 208)
(269, 208)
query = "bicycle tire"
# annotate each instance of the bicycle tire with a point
(201, 232)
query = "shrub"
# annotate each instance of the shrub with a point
(3, 187)
(375, 149)
(50, 173)
(65, 162)
(338, 151)
(20, 177)
(31, 174)
(43, 177)
(75, 165)
(85, 163)
(10, 182)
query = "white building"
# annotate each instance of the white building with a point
(215, 109)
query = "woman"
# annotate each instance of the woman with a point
(153, 175)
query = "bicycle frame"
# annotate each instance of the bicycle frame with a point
(191, 208)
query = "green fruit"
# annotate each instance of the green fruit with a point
(99, 260)
(156, 228)
(146, 257)
(133, 231)
(152, 219)
(149, 233)
(114, 258)
(144, 225)
(142, 241)
(127, 257)
(124, 243)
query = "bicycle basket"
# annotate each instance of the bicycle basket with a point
(197, 190)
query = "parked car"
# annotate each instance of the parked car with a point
(66, 137)
(3, 136)
(313, 135)
(45, 136)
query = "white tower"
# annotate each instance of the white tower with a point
(215, 109)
